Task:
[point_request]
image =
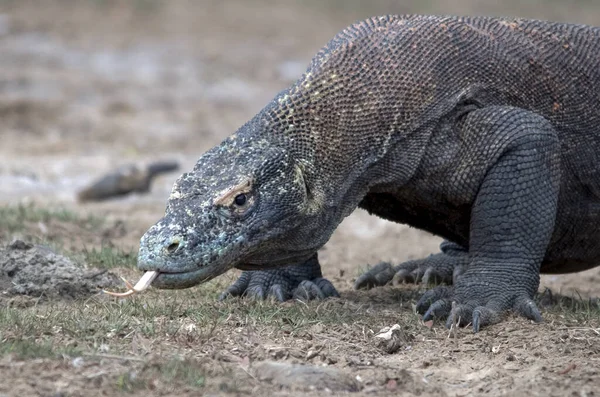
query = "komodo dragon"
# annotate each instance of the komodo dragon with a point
(124, 180)
(483, 131)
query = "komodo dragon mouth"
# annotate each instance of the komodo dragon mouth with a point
(168, 278)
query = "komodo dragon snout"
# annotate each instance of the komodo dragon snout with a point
(219, 215)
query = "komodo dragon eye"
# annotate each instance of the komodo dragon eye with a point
(240, 200)
(237, 199)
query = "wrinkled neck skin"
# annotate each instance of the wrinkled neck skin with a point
(338, 169)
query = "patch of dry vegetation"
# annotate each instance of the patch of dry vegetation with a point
(187, 342)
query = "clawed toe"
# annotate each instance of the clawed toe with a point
(460, 315)
(431, 276)
(433, 295)
(527, 308)
(236, 289)
(307, 290)
(319, 288)
(327, 288)
(279, 293)
(438, 309)
(256, 292)
(378, 275)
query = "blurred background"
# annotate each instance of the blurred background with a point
(89, 85)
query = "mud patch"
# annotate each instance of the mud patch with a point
(35, 270)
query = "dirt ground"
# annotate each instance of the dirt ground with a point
(86, 86)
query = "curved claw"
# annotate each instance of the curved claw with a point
(256, 292)
(279, 293)
(416, 275)
(236, 289)
(431, 276)
(477, 323)
(483, 315)
(433, 295)
(457, 272)
(462, 315)
(409, 272)
(527, 308)
(438, 309)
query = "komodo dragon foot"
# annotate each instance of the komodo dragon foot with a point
(483, 303)
(303, 281)
(444, 267)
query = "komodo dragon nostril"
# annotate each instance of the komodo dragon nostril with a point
(174, 246)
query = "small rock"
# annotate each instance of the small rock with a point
(78, 362)
(311, 354)
(386, 332)
(391, 339)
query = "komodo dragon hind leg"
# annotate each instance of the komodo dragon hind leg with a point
(512, 220)
(303, 281)
(444, 267)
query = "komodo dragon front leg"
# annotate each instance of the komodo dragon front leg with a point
(512, 183)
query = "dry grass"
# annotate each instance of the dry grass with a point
(187, 342)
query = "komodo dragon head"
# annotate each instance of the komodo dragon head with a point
(245, 204)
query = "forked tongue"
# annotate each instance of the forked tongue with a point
(141, 285)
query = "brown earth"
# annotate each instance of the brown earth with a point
(86, 86)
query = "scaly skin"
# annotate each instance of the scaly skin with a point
(479, 130)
